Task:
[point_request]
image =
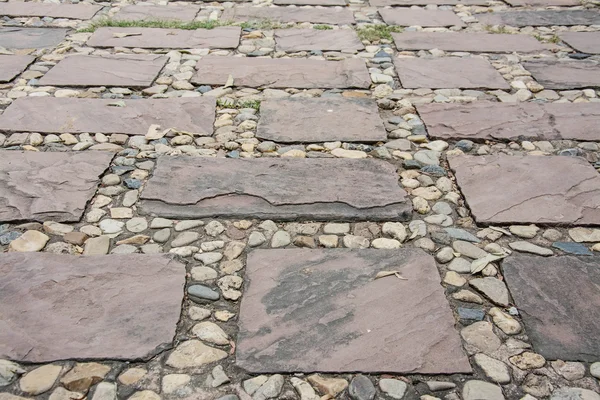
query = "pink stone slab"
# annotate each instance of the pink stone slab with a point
(291, 40)
(140, 12)
(383, 3)
(310, 2)
(30, 38)
(503, 189)
(585, 42)
(543, 3)
(58, 307)
(566, 74)
(335, 16)
(138, 70)
(38, 9)
(540, 18)
(419, 17)
(282, 73)
(321, 310)
(13, 65)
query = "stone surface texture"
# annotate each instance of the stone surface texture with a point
(30, 38)
(291, 40)
(585, 42)
(13, 65)
(53, 10)
(540, 18)
(467, 41)
(334, 16)
(421, 17)
(145, 11)
(384, 3)
(566, 74)
(310, 2)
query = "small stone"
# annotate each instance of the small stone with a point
(454, 279)
(105, 391)
(304, 389)
(527, 247)
(336, 229)
(481, 337)
(188, 224)
(145, 395)
(253, 384)
(480, 390)
(158, 223)
(436, 386)
(84, 375)
(496, 370)
(494, 289)
(219, 377)
(524, 231)
(29, 241)
(185, 238)
(234, 249)
(394, 388)
(198, 313)
(77, 238)
(202, 292)
(132, 376)
(572, 248)
(280, 239)
(361, 388)
(343, 153)
(40, 380)
(214, 228)
(568, 393)
(210, 332)
(467, 296)
(270, 389)
(136, 225)
(173, 382)
(585, 234)
(256, 239)
(55, 228)
(110, 226)
(328, 386)
(468, 249)
(328, 241)
(595, 370)
(505, 322)
(444, 255)
(460, 265)
(571, 371)
(208, 258)
(9, 372)
(528, 360)
(395, 230)
(203, 274)
(194, 353)
(385, 243)
(468, 315)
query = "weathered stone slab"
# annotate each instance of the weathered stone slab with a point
(313, 39)
(585, 42)
(275, 189)
(448, 73)
(419, 17)
(30, 38)
(320, 120)
(316, 310)
(540, 18)
(383, 3)
(543, 3)
(57, 307)
(337, 16)
(503, 189)
(283, 73)
(138, 70)
(226, 37)
(310, 2)
(39, 9)
(11, 66)
(466, 41)
(502, 121)
(69, 115)
(566, 74)
(559, 301)
(140, 12)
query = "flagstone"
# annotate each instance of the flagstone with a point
(57, 307)
(71, 115)
(317, 310)
(384, 3)
(13, 65)
(48, 186)
(137, 70)
(543, 3)
(282, 73)
(311, 2)
(140, 12)
(448, 73)
(42, 10)
(585, 42)
(290, 14)
(419, 17)
(566, 74)
(540, 18)
(503, 189)
(559, 301)
(191, 187)
(291, 40)
(30, 38)
(501, 121)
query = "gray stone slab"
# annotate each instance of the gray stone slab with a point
(338, 16)
(339, 189)
(311, 2)
(384, 3)
(30, 38)
(543, 3)
(566, 74)
(138, 70)
(283, 73)
(70, 115)
(13, 65)
(48, 186)
(448, 73)
(321, 310)
(226, 37)
(419, 17)
(540, 18)
(584, 42)
(58, 307)
(320, 120)
(502, 121)
(140, 12)
(559, 301)
(466, 41)
(39, 9)
(503, 189)
(291, 40)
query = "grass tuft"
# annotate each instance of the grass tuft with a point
(228, 103)
(111, 23)
(322, 27)
(500, 29)
(262, 25)
(374, 33)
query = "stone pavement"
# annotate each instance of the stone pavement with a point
(300, 200)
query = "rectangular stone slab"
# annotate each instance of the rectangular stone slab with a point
(13, 65)
(566, 74)
(138, 70)
(290, 14)
(384, 3)
(448, 73)
(282, 73)
(275, 189)
(321, 310)
(69, 115)
(320, 120)
(291, 40)
(38, 9)
(140, 12)
(58, 307)
(30, 38)
(540, 18)
(48, 186)
(543, 3)
(584, 42)
(226, 37)
(310, 2)
(503, 189)
(502, 121)
(559, 301)
(467, 41)
(420, 17)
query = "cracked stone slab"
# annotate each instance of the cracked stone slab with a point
(282, 73)
(448, 73)
(336, 16)
(466, 41)
(290, 40)
(318, 310)
(140, 12)
(585, 42)
(503, 189)
(310, 2)
(137, 70)
(275, 189)
(48, 186)
(502, 121)
(39, 9)
(420, 17)
(57, 307)
(566, 74)
(540, 18)
(13, 65)
(225, 37)
(559, 301)
(70, 115)
(30, 38)
(384, 3)
(322, 119)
